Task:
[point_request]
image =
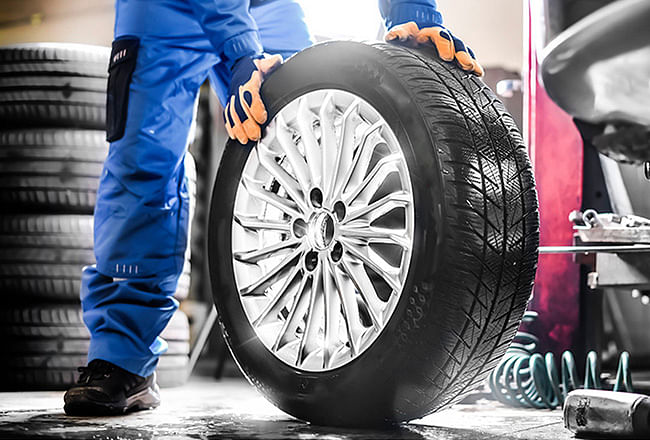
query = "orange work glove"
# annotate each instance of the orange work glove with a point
(245, 111)
(449, 47)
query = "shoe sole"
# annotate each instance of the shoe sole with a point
(148, 398)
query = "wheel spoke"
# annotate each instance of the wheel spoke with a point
(347, 296)
(380, 207)
(364, 286)
(305, 122)
(361, 157)
(345, 145)
(332, 313)
(256, 190)
(314, 315)
(366, 234)
(278, 301)
(256, 224)
(258, 287)
(267, 159)
(369, 186)
(269, 251)
(387, 272)
(294, 318)
(296, 160)
(328, 141)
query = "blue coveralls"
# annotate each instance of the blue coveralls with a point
(141, 214)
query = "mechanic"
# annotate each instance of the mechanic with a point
(162, 53)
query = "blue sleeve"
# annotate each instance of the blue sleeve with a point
(423, 12)
(230, 28)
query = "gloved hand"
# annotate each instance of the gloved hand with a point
(245, 111)
(449, 47)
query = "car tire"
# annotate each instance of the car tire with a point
(47, 343)
(54, 59)
(474, 251)
(51, 170)
(53, 84)
(42, 256)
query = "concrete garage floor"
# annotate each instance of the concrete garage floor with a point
(231, 409)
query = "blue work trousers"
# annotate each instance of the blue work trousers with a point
(141, 215)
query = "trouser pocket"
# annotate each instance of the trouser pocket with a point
(120, 70)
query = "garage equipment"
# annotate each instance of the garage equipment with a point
(603, 80)
(526, 378)
(599, 80)
(557, 148)
(607, 414)
(617, 248)
(602, 83)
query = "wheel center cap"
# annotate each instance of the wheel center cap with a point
(321, 230)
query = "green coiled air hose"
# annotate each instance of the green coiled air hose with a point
(527, 379)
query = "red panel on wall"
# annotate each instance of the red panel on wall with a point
(556, 151)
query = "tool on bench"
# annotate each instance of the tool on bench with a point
(607, 414)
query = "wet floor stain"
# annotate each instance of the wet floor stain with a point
(235, 411)
(226, 426)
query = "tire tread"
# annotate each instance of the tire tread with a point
(493, 174)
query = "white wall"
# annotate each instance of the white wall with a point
(74, 21)
(492, 28)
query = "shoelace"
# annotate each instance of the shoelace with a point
(97, 369)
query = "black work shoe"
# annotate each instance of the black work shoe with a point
(106, 389)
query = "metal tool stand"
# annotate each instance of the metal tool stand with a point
(617, 248)
(616, 251)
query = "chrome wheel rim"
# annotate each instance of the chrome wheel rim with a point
(322, 230)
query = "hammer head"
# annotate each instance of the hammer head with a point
(596, 413)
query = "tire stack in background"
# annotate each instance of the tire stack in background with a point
(52, 148)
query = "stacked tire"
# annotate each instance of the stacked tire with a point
(47, 342)
(52, 147)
